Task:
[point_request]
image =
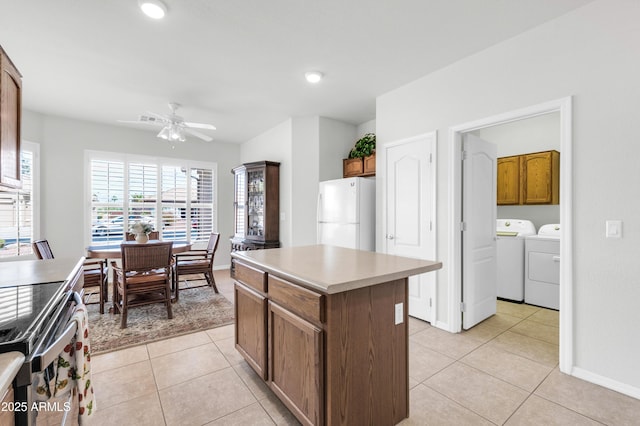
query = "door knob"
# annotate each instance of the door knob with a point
(390, 236)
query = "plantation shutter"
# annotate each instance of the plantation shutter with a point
(16, 212)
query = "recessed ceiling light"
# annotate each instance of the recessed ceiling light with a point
(313, 76)
(153, 8)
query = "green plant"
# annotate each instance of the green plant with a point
(141, 228)
(1, 243)
(364, 146)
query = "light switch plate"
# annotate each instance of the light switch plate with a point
(399, 313)
(613, 229)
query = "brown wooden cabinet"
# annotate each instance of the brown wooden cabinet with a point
(251, 332)
(295, 364)
(326, 352)
(541, 178)
(529, 179)
(257, 206)
(10, 118)
(509, 180)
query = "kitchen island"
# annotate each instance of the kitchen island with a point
(327, 329)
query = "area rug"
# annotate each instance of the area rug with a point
(198, 309)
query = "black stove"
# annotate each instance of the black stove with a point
(25, 311)
(35, 320)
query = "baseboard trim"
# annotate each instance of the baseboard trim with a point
(221, 267)
(606, 382)
(442, 325)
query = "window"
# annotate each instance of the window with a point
(177, 197)
(17, 207)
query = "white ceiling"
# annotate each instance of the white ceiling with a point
(240, 64)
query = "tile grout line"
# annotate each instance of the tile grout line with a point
(155, 383)
(457, 403)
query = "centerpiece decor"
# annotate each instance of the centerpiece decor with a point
(141, 231)
(362, 158)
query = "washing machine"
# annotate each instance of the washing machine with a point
(511, 234)
(542, 267)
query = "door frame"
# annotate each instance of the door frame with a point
(432, 137)
(564, 107)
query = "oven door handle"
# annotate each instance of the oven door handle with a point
(42, 360)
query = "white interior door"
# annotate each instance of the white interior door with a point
(479, 254)
(410, 218)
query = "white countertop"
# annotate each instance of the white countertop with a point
(10, 363)
(331, 269)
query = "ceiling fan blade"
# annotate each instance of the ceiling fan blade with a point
(198, 134)
(200, 126)
(158, 116)
(156, 123)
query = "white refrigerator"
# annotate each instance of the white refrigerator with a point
(347, 213)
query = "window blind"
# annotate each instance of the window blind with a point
(16, 212)
(177, 200)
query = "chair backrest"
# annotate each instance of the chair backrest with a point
(144, 257)
(153, 235)
(42, 249)
(213, 243)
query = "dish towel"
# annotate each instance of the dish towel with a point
(72, 370)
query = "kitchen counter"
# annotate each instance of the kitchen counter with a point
(10, 363)
(327, 329)
(24, 272)
(331, 269)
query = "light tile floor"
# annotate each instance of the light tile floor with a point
(503, 371)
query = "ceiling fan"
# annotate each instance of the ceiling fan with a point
(173, 126)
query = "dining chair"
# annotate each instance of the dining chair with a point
(144, 278)
(196, 262)
(95, 272)
(153, 235)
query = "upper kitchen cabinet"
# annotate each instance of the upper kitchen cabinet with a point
(10, 112)
(541, 178)
(509, 180)
(529, 179)
(257, 206)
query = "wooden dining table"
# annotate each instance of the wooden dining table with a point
(113, 251)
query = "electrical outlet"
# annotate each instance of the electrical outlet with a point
(399, 313)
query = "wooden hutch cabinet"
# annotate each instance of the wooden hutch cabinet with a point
(257, 206)
(10, 107)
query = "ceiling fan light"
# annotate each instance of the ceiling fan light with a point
(313, 76)
(154, 9)
(164, 133)
(176, 134)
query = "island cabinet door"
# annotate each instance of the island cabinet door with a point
(251, 328)
(296, 364)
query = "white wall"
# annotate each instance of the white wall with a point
(535, 134)
(336, 140)
(310, 150)
(62, 180)
(275, 145)
(592, 55)
(366, 127)
(304, 186)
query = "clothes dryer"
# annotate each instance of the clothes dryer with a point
(542, 267)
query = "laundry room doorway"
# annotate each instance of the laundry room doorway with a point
(460, 263)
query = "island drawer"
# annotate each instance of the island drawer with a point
(250, 276)
(306, 303)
